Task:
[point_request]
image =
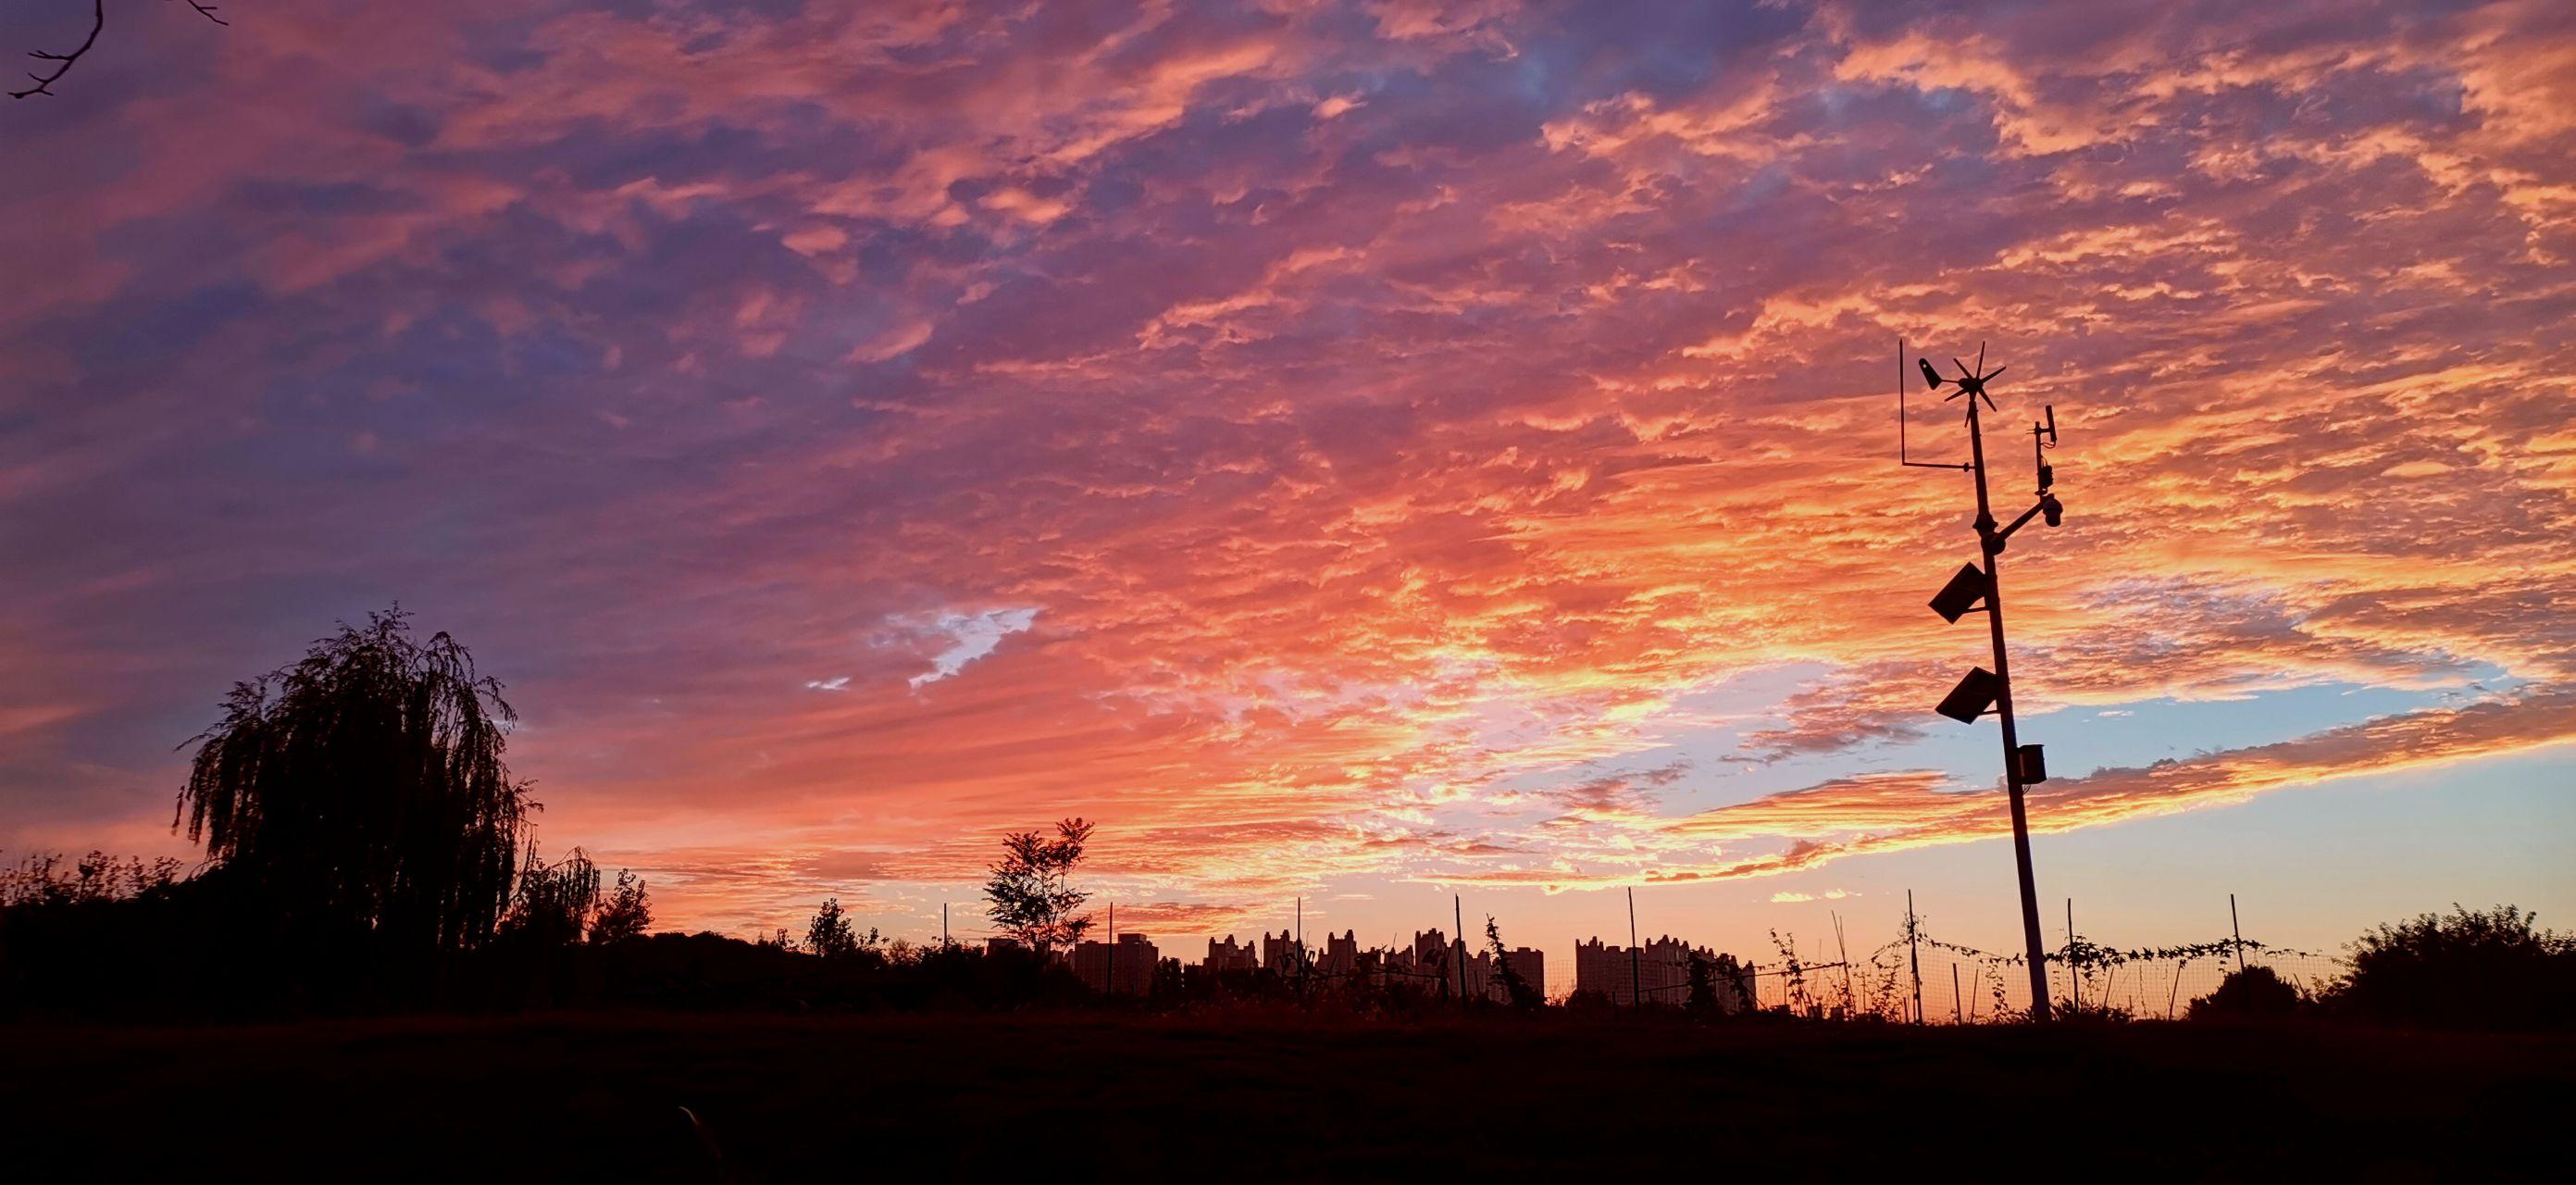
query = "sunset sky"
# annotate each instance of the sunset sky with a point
(1366, 451)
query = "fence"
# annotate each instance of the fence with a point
(1961, 984)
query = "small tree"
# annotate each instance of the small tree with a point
(1516, 989)
(627, 914)
(829, 934)
(1031, 899)
(1714, 979)
(1793, 976)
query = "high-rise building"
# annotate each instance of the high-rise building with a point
(1656, 973)
(1280, 952)
(1125, 966)
(1229, 956)
(1341, 954)
(1530, 965)
(1432, 964)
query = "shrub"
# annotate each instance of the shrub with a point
(2470, 969)
(2251, 992)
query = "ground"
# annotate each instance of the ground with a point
(1272, 1096)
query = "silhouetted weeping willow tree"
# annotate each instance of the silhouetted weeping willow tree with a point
(362, 791)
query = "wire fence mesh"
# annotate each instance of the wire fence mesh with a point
(1939, 982)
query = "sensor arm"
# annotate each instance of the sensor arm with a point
(2015, 525)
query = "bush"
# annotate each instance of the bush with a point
(2251, 992)
(2491, 969)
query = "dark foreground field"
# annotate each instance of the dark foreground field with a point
(1050, 1099)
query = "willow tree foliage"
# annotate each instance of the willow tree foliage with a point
(362, 791)
(554, 902)
(1029, 894)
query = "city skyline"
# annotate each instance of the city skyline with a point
(1359, 454)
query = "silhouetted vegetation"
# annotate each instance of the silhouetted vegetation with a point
(829, 935)
(1029, 896)
(42, 881)
(358, 798)
(554, 901)
(2489, 969)
(627, 914)
(1516, 990)
(1717, 985)
(2253, 993)
(63, 60)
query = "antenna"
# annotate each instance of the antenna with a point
(1931, 377)
(1973, 589)
(2043, 437)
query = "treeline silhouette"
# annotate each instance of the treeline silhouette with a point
(367, 849)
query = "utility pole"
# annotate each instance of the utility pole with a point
(1914, 957)
(1956, 1017)
(2074, 987)
(2023, 767)
(1636, 973)
(1113, 950)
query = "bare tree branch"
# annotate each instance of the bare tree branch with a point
(98, 13)
(98, 21)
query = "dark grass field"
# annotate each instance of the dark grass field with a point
(1271, 1096)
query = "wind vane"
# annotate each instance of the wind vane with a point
(1975, 587)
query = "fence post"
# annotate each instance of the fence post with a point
(2074, 988)
(1851, 1002)
(1912, 958)
(1636, 977)
(2239, 931)
(1459, 909)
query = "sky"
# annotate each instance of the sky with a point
(1358, 453)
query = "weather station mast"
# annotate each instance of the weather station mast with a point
(1975, 588)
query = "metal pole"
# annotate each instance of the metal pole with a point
(1913, 957)
(1956, 1016)
(2239, 931)
(1113, 949)
(1991, 544)
(1636, 974)
(943, 925)
(2074, 987)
